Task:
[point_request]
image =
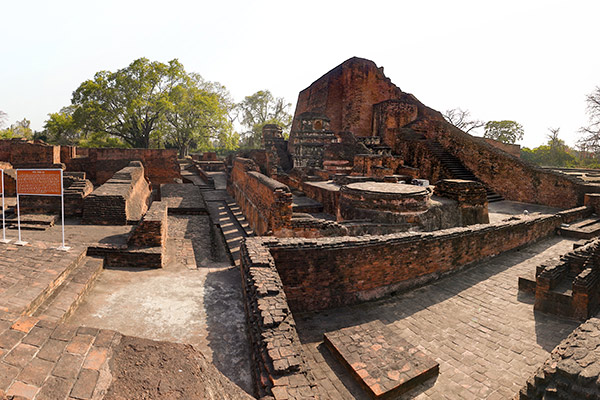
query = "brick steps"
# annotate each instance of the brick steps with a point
(67, 297)
(52, 286)
(458, 170)
(586, 229)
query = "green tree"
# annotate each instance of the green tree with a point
(61, 128)
(504, 131)
(20, 129)
(129, 103)
(555, 153)
(260, 109)
(195, 113)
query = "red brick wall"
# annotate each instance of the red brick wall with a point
(28, 154)
(346, 95)
(513, 149)
(266, 203)
(323, 273)
(507, 175)
(160, 166)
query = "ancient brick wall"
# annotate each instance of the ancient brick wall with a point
(378, 165)
(346, 95)
(265, 202)
(507, 175)
(28, 154)
(323, 273)
(327, 194)
(122, 198)
(152, 229)
(573, 369)
(513, 149)
(160, 166)
(279, 367)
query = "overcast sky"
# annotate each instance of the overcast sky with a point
(528, 61)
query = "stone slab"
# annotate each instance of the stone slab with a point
(380, 360)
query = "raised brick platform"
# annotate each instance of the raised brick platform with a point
(30, 273)
(380, 360)
(183, 199)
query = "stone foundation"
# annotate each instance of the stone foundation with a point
(122, 199)
(278, 364)
(471, 197)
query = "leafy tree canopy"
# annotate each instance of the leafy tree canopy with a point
(147, 104)
(20, 129)
(504, 131)
(260, 109)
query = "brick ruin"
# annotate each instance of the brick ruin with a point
(360, 149)
(373, 195)
(121, 199)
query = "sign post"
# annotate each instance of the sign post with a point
(4, 239)
(41, 182)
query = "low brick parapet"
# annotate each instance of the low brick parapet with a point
(266, 203)
(152, 229)
(278, 364)
(122, 198)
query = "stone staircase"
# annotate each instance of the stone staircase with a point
(567, 286)
(66, 297)
(458, 170)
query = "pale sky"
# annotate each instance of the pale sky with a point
(528, 61)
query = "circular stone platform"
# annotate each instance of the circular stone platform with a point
(358, 198)
(390, 189)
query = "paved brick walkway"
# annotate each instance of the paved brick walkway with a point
(28, 273)
(46, 361)
(484, 335)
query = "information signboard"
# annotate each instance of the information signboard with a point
(45, 182)
(40, 182)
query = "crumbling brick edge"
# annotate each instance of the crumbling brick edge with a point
(279, 366)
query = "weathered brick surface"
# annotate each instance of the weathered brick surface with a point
(312, 228)
(160, 166)
(346, 95)
(471, 197)
(279, 367)
(383, 363)
(328, 272)
(266, 203)
(152, 229)
(122, 198)
(36, 262)
(573, 369)
(28, 154)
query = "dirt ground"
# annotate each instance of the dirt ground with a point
(146, 369)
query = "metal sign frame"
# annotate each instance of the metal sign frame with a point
(62, 205)
(4, 239)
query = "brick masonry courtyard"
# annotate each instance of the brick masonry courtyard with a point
(484, 334)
